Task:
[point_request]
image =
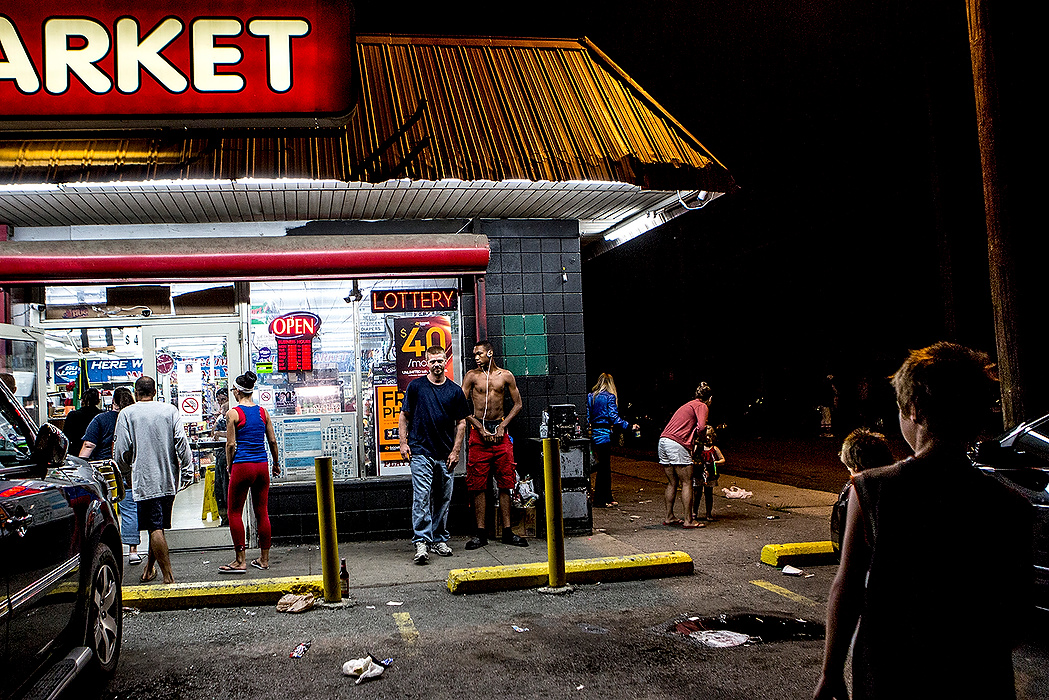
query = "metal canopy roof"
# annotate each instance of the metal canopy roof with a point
(447, 127)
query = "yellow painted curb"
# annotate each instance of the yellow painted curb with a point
(483, 579)
(798, 553)
(178, 596)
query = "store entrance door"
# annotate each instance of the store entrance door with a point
(194, 364)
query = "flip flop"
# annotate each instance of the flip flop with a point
(148, 576)
(674, 523)
(257, 565)
(227, 569)
(693, 526)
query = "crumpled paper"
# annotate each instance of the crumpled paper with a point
(737, 492)
(292, 603)
(362, 668)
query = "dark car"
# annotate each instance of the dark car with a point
(60, 561)
(1020, 459)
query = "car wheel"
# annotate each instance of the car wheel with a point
(104, 612)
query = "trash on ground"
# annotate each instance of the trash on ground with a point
(395, 602)
(772, 517)
(751, 629)
(519, 629)
(634, 517)
(295, 603)
(592, 629)
(600, 529)
(131, 611)
(206, 561)
(370, 607)
(736, 492)
(298, 651)
(366, 667)
(580, 687)
(789, 570)
(648, 501)
(720, 639)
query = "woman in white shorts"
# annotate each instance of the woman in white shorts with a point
(675, 454)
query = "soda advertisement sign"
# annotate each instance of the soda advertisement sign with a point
(176, 62)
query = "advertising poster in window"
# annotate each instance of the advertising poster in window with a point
(414, 335)
(387, 412)
(301, 439)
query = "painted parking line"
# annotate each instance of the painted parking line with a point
(788, 594)
(409, 634)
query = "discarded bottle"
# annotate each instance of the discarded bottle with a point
(344, 580)
(544, 426)
(637, 433)
(299, 650)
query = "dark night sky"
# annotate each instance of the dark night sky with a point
(858, 231)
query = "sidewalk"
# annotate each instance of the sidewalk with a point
(389, 563)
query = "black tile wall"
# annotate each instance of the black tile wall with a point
(530, 261)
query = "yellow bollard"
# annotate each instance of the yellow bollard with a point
(555, 524)
(211, 506)
(329, 535)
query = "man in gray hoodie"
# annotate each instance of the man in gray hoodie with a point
(151, 444)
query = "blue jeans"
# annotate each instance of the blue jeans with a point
(431, 495)
(129, 533)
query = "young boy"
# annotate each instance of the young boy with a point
(931, 544)
(862, 449)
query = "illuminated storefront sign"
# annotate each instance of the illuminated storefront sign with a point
(205, 63)
(397, 300)
(294, 333)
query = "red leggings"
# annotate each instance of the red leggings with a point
(253, 476)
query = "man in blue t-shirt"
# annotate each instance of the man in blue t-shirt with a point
(431, 427)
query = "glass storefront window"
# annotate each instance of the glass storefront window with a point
(76, 302)
(331, 370)
(18, 371)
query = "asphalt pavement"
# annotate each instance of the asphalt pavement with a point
(605, 640)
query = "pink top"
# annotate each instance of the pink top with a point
(685, 421)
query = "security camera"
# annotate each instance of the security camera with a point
(146, 313)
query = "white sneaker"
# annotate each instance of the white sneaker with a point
(421, 555)
(441, 549)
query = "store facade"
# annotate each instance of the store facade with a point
(455, 205)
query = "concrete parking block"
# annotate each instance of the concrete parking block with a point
(180, 596)
(485, 579)
(799, 554)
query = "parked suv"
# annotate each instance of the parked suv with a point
(60, 561)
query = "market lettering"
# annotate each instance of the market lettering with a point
(388, 301)
(75, 46)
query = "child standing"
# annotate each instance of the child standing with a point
(711, 460)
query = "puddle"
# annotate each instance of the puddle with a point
(728, 630)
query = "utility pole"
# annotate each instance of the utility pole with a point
(999, 229)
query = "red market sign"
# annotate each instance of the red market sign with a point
(179, 62)
(294, 333)
(386, 301)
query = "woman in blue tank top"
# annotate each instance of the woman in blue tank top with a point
(249, 431)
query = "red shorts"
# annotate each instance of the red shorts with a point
(485, 458)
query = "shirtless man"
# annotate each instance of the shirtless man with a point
(490, 451)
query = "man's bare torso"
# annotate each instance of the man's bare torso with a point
(487, 393)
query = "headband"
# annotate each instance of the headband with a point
(240, 387)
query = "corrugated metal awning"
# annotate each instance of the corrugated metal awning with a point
(231, 259)
(446, 127)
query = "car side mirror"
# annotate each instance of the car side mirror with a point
(51, 446)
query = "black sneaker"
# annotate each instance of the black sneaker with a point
(512, 538)
(477, 542)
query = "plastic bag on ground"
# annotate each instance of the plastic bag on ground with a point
(720, 639)
(362, 668)
(736, 492)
